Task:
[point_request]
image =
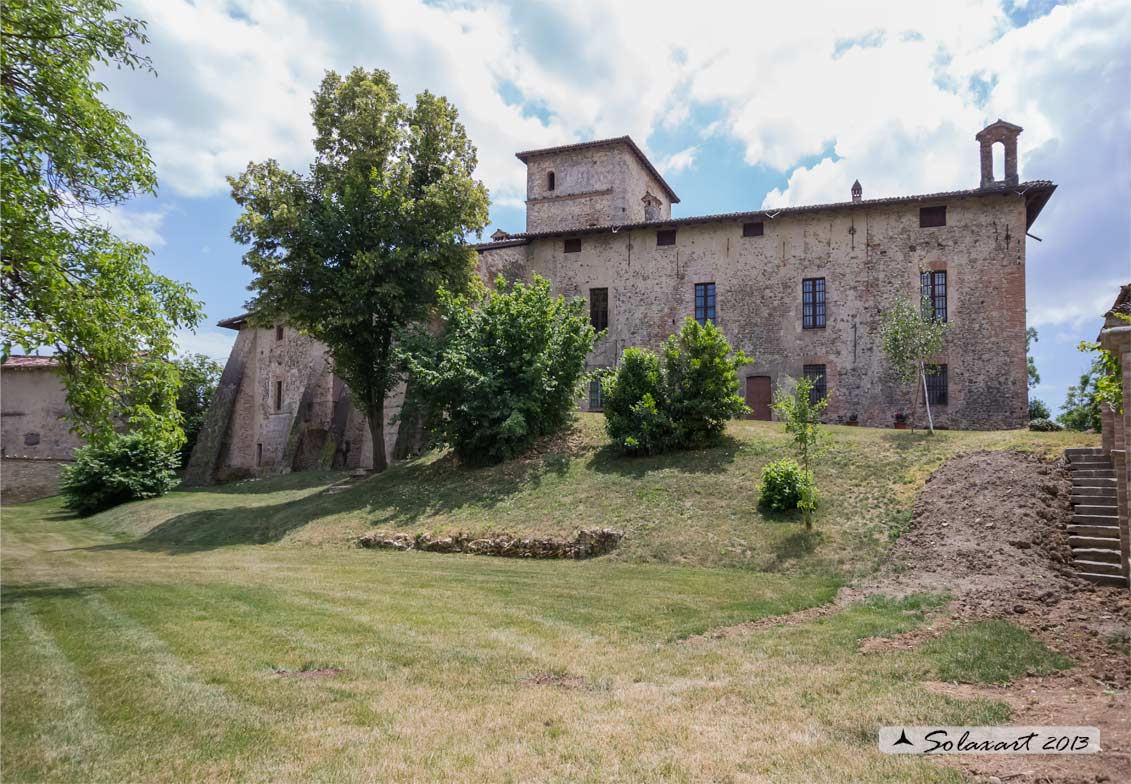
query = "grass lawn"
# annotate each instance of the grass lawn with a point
(143, 644)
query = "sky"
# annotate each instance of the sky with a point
(741, 105)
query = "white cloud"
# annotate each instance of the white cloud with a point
(822, 92)
(679, 161)
(142, 226)
(213, 343)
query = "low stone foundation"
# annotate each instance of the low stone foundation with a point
(586, 543)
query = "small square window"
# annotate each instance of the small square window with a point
(937, 383)
(929, 217)
(665, 237)
(753, 229)
(572, 245)
(820, 388)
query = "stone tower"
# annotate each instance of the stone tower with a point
(603, 183)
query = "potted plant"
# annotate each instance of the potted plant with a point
(853, 420)
(900, 421)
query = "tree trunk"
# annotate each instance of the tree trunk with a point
(926, 398)
(375, 413)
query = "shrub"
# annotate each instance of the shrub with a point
(785, 485)
(1044, 425)
(1039, 410)
(502, 373)
(635, 415)
(701, 380)
(124, 468)
(680, 400)
(802, 417)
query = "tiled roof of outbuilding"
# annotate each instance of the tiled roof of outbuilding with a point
(24, 362)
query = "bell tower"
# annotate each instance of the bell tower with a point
(1006, 134)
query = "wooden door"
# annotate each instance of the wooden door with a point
(758, 396)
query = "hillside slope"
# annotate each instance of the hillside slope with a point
(688, 507)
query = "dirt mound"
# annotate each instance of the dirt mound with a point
(989, 528)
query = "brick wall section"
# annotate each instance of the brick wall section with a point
(869, 258)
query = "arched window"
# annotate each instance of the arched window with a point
(550, 183)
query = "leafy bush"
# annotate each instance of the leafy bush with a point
(635, 413)
(680, 400)
(122, 468)
(502, 373)
(701, 379)
(1039, 410)
(785, 485)
(1044, 425)
(200, 375)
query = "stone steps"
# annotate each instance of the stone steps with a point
(1093, 533)
(1104, 579)
(1106, 492)
(1078, 451)
(1096, 567)
(1107, 554)
(1102, 481)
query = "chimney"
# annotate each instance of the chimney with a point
(857, 191)
(1006, 133)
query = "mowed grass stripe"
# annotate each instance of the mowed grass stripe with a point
(145, 696)
(50, 730)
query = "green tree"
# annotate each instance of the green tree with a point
(200, 375)
(502, 373)
(911, 334)
(636, 417)
(68, 282)
(802, 417)
(1101, 383)
(359, 247)
(1038, 409)
(681, 399)
(1030, 360)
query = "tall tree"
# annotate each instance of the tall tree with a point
(358, 248)
(1030, 360)
(200, 375)
(68, 282)
(911, 335)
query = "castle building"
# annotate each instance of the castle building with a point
(801, 290)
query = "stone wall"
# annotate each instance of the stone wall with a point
(869, 257)
(35, 436)
(1116, 437)
(284, 410)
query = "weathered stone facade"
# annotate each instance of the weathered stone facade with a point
(35, 436)
(280, 408)
(598, 217)
(1116, 443)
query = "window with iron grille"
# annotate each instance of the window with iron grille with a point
(933, 287)
(813, 303)
(705, 302)
(753, 229)
(599, 308)
(665, 237)
(817, 375)
(595, 402)
(572, 245)
(937, 385)
(929, 217)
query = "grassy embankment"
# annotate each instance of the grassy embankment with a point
(143, 644)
